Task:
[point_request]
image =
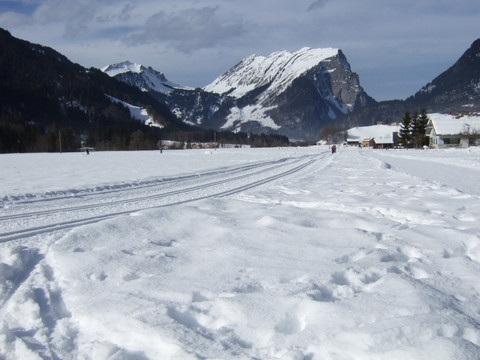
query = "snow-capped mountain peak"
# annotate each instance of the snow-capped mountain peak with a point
(145, 78)
(278, 69)
(292, 93)
(123, 67)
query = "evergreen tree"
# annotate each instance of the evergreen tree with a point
(405, 134)
(413, 129)
(418, 131)
(419, 127)
(424, 119)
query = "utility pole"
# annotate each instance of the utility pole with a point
(60, 139)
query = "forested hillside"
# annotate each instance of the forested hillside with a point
(46, 101)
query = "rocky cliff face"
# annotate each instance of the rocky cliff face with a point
(293, 94)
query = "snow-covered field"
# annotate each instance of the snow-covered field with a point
(290, 253)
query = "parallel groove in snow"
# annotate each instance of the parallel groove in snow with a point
(262, 173)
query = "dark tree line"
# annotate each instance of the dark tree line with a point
(20, 136)
(413, 129)
(271, 140)
(226, 137)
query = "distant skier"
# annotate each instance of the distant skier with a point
(334, 148)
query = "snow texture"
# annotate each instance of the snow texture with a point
(289, 253)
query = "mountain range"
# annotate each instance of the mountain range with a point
(293, 94)
(302, 94)
(298, 94)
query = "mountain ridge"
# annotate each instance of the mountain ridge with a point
(456, 90)
(296, 94)
(257, 70)
(459, 82)
(145, 78)
(293, 94)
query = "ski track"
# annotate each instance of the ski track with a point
(101, 204)
(106, 204)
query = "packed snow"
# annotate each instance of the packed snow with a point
(286, 253)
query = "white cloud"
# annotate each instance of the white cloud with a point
(75, 15)
(188, 30)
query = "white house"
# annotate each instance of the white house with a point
(446, 131)
(374, 135)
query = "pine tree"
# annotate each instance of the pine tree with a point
(419, 127)
(424, 119)
(418, 132)
(405, 133)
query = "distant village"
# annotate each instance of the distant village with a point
(442, 130)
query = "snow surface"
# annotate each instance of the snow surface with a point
(239, 116)
(289, 253)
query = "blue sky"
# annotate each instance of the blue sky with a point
(396, 46)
